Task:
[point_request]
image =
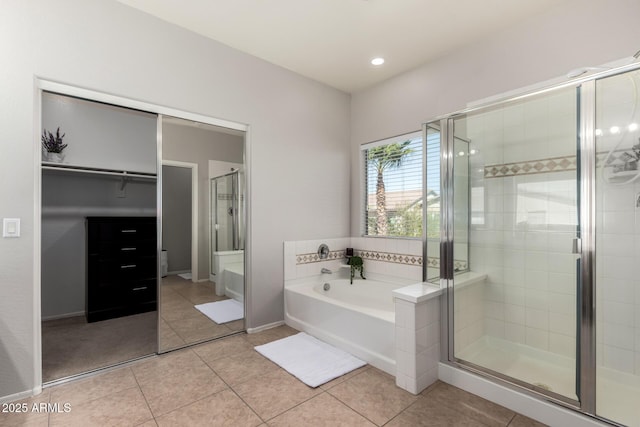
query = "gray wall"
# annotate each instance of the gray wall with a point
(571, 35)
(108, 47)
(100, 135)
(66, 200)
(176, 217)
(196, 145)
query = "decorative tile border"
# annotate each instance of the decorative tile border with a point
(458, 264)
(554, 164)
(366, 255)
(228, 196)
(432, 262)
(313, 257)
(389, 257)
(531, 167)
(617, 158)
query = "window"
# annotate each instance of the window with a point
(393, 183)
(433, 182)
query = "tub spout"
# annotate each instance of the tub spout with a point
(326, 270)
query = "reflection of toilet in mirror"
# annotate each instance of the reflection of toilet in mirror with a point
(228, 267)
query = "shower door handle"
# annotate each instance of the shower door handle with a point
(577, 246)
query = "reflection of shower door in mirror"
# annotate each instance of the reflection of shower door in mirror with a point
(513, 186)
(226, 212)
(227, 207)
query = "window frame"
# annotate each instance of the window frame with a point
(364, 180)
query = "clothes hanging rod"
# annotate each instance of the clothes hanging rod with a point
(97, 171)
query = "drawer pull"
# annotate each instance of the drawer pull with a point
(128, 266)
(142, 288)
(128, 249)
(129, 231)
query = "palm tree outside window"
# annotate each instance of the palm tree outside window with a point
(393, 181)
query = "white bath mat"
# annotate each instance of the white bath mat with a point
(185, 276)
(310, 360)
(222, 311)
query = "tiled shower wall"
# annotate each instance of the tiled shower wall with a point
(389, 257)
(617, 226)
(523, 194)
(617, 278)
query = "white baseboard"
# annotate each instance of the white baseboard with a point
(23, 394)
(265, 327)
(175, 273)
(63, 316)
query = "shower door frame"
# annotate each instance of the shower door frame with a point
(585, 243)
(235, 206)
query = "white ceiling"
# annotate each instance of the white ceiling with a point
(333, 41)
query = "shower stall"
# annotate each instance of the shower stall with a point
(540, 194)
(227, 234)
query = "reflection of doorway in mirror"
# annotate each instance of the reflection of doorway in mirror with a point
(189, 307)
(179, 184)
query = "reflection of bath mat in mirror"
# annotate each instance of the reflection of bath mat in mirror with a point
(222, 311)
(310, 360)
(185, 276)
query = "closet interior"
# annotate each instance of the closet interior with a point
(99, 236)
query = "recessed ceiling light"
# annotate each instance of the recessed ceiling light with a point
(377, 61)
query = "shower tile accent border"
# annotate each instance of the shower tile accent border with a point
(552, 164)
(458, 264)
(531, 167)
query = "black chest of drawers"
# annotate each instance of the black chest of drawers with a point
(122, 266)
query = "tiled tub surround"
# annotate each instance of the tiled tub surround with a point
(367, 330)
(400, 258)
(417, 331)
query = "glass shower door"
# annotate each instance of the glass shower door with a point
(512, 214)
(617, 200)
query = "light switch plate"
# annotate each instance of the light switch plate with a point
(11, 227)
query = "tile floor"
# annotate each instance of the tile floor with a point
(227, 383)
(72, 346)
(180, 322)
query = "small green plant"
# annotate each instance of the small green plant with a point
(51, 143)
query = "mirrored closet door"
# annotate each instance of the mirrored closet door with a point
(203, 221)
(98, 240)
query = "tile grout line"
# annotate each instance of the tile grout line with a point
(295, 406)
(180, 407)
(347, 405)
(511, 420)
(229, 386)
(135, 378)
